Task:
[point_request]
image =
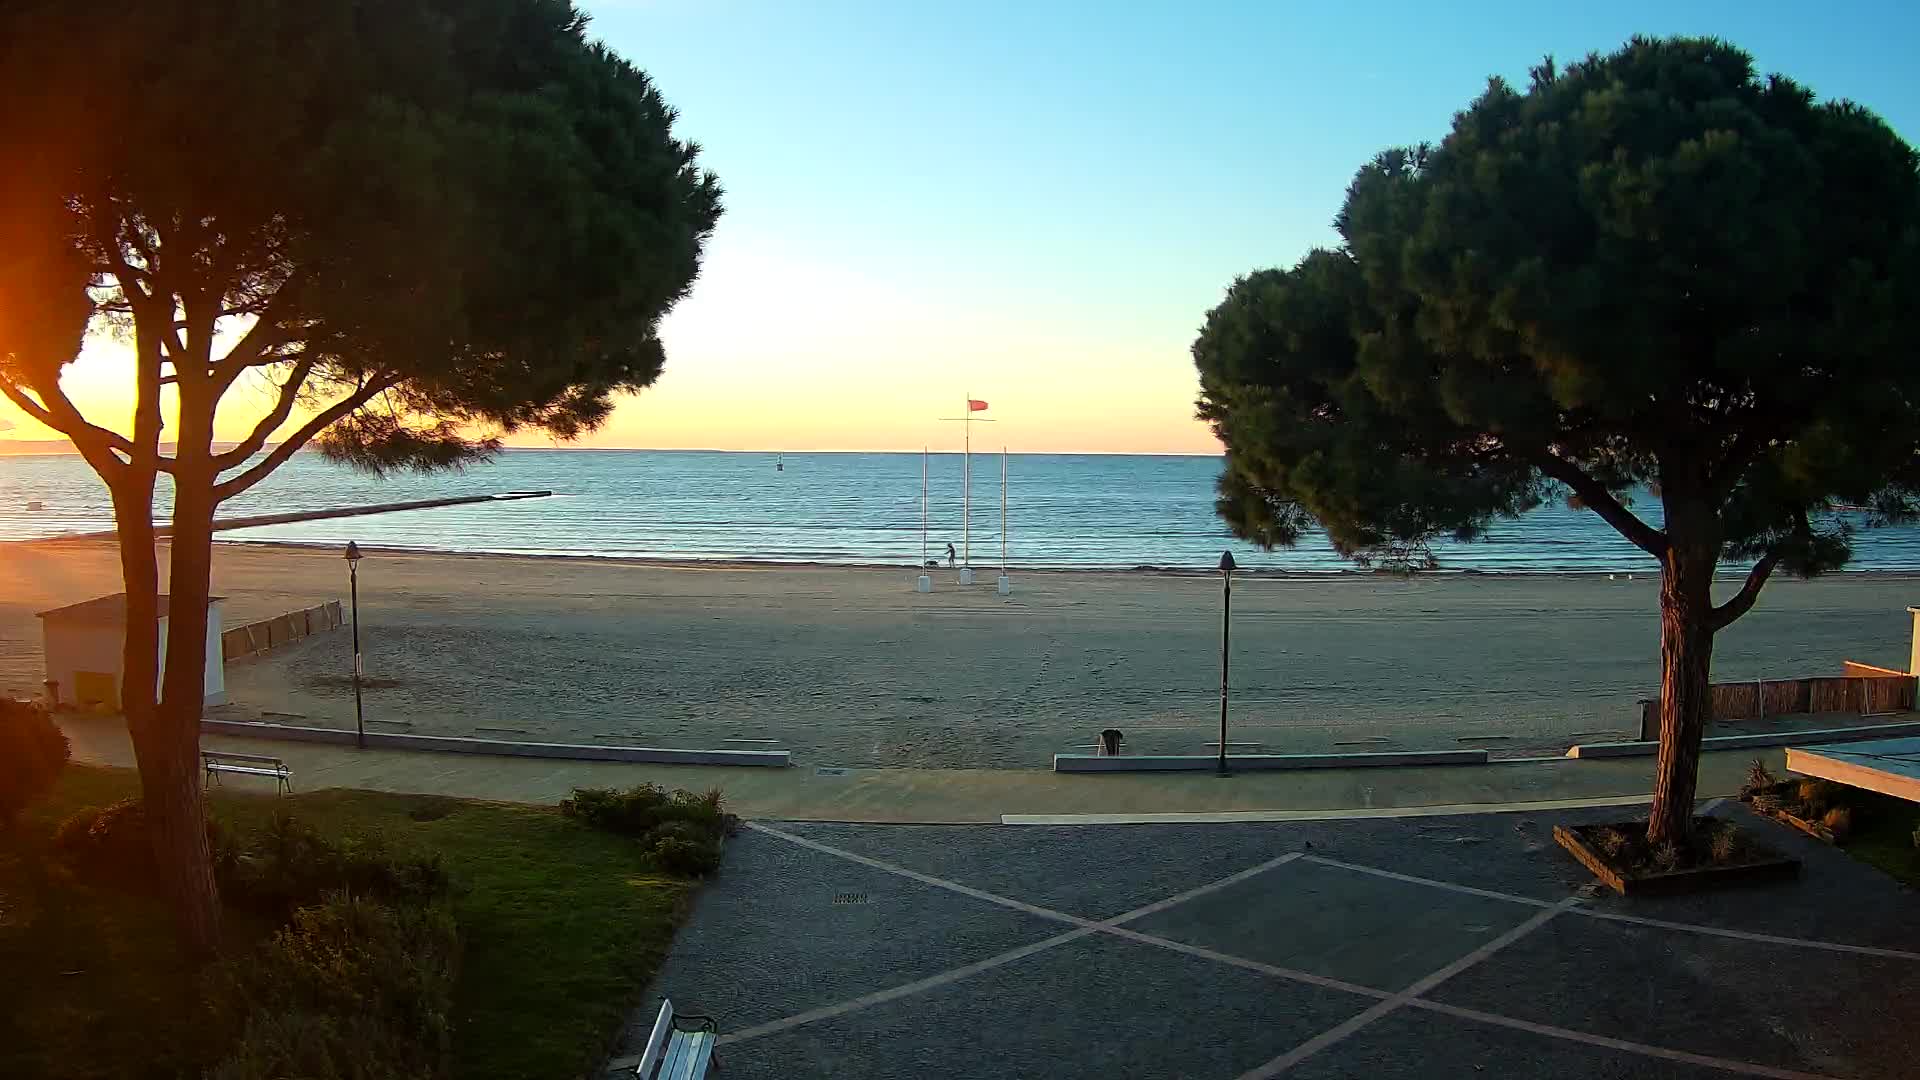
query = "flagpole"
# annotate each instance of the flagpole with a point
(1003, 511)
(966, 487)
(923, 508)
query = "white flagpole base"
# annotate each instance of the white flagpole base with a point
(1004, 587)
(966, 575)
(925, 584)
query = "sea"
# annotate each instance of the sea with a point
(1062, 511)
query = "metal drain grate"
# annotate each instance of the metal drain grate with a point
(841, 899)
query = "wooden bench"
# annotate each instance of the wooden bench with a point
(215, 762)
(678, 1053)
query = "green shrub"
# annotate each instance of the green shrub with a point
(352, 990)
(1724, 843)
(1610, 840)
(289, 865)
(33, 750)
(285, 866)
(639, 810)
(1667, 857)
(679, 831)
(681, 847)
(1839, 821)
(1758, 778)
(111, 845)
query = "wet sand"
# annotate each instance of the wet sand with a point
(851, 667)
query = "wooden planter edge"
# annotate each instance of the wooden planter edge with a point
(1695, 879)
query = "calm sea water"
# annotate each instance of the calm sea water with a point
(1063, 511)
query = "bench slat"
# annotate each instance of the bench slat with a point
(656, 1043)
(693, 1064)
(221, 755)
(247, 770)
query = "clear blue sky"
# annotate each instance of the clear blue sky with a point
(1041, 200)
(1036, 203)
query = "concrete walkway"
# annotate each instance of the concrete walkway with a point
(1418, 948)
(805, 793)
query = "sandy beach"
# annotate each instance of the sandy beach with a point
(851, 667)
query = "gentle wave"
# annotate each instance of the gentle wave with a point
(1065, 511)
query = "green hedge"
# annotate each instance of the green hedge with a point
(33, 750)
(679, 831)
(353, 989)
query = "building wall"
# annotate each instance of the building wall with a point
(73, 647)
(216, 680)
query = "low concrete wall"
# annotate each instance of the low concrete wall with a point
(1092, 763)
(383, 740)
(1649, 747)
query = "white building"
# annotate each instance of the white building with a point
(85, 644)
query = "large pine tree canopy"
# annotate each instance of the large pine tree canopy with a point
(430, 221)
(1654, 267)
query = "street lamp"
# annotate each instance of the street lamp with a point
(353, 578)
(1226, 627)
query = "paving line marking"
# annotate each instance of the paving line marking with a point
(1644, 1049)
(1398, 1001)
(1638, 920)
(1746, 935)
(924, 879)
(1490, 894)
(827, 1012)
(1087, 928)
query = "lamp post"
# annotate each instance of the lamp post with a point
(1226, 628)
(353, 579)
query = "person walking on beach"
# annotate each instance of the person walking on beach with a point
(951, 555)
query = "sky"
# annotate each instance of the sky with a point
(1036, 203)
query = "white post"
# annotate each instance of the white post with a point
(1913, 654)
(925, 582)
(966, 494)
(1004, 586)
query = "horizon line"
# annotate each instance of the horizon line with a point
(60, 447)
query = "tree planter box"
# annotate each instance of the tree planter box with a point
(1814, 829)
(1762, 865)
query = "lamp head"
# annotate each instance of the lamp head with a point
(353, 553)
(1226, 562)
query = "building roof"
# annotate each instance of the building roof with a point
(107, 610)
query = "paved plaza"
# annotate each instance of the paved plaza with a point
(1412, 947)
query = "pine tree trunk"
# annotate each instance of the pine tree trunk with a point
(175, 801)
(169, 763)
(1686, 665)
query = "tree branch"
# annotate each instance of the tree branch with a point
(60, 414)
(1746, 446)
(1742, 601)
(227, 489)
(262, 431)
(1601, 501)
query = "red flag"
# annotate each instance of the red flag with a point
(974, 405)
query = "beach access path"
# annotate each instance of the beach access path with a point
(978, 796)
(849, 667)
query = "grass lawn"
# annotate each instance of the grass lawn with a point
(1885, 836)
(560, 931)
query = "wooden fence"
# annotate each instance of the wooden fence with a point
(256, 638)
(1863, 689)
